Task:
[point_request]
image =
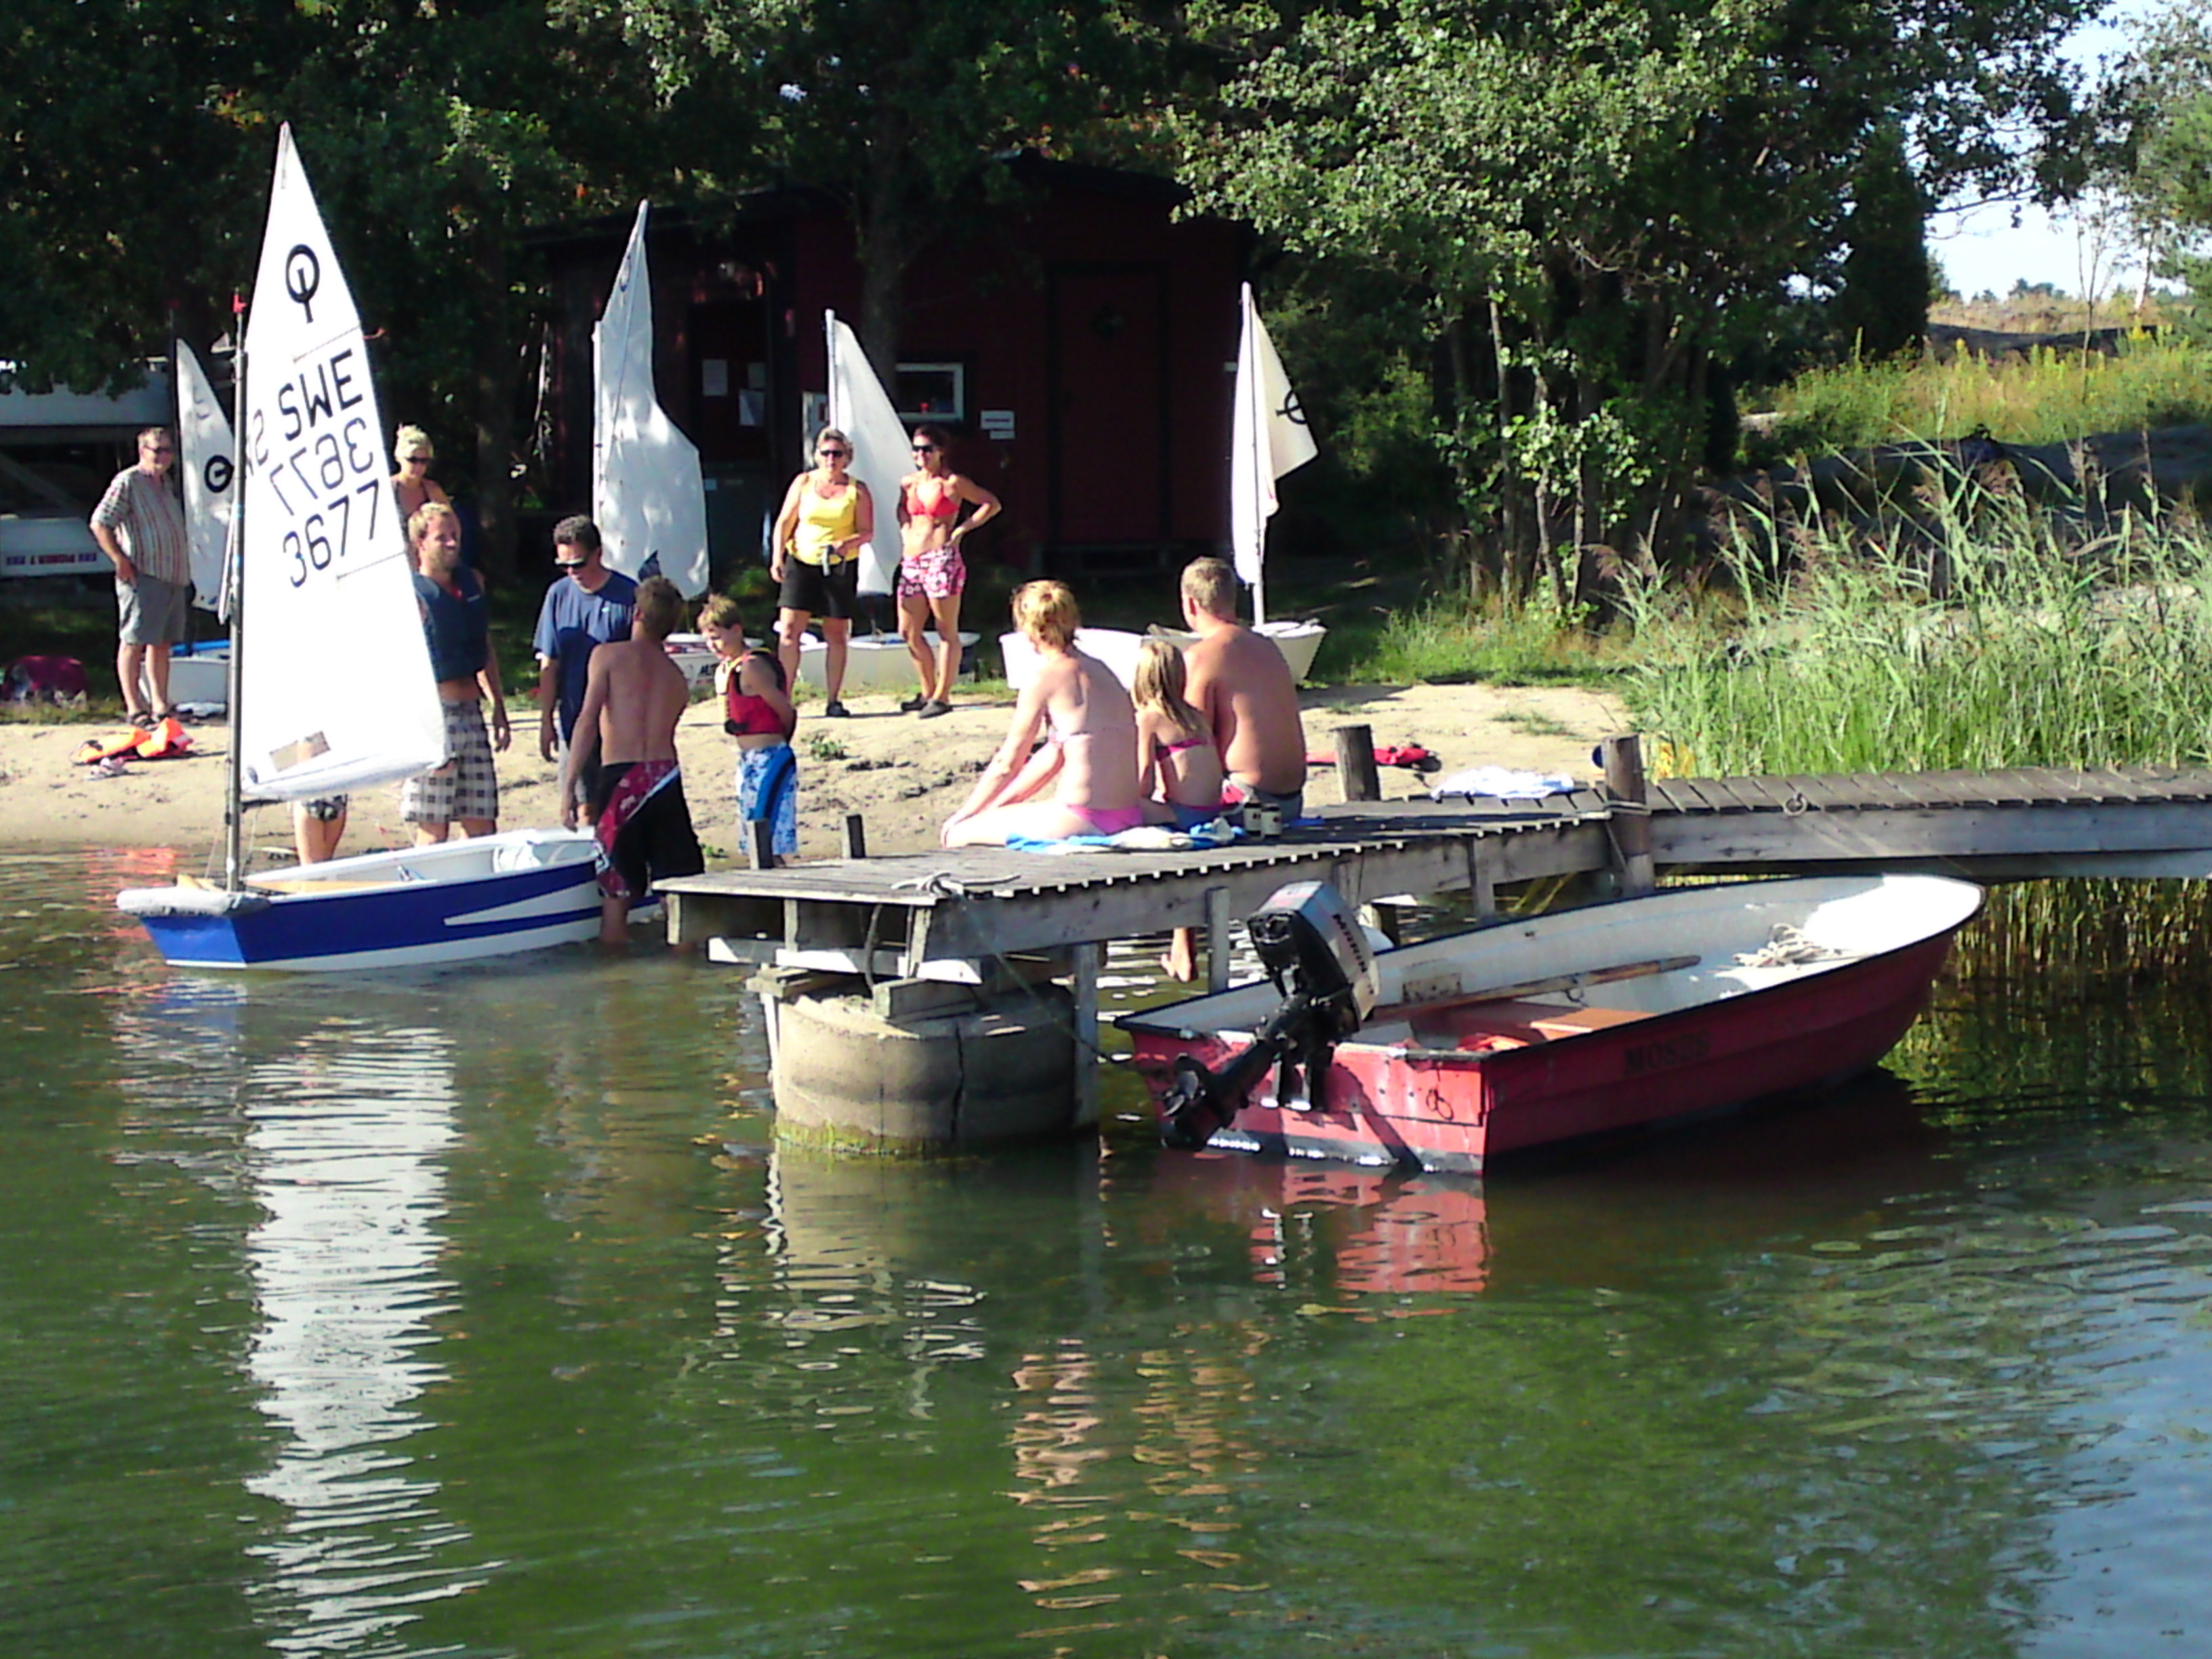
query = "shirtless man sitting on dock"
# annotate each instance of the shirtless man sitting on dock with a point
(633, 698)
(1239, 681)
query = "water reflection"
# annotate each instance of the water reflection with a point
(1329, 1231)
(344, 1144)
(337, 1303)
(346, 1126)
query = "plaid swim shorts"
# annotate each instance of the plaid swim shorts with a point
(466, 786)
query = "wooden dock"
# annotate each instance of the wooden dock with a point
(948, 916)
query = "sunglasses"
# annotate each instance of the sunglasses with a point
(570, 564)
(833, 454)
(419, 461)
(925, 449)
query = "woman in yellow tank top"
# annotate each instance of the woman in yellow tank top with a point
(828, 517)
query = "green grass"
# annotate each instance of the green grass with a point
(2051, 397)
(1452, 641)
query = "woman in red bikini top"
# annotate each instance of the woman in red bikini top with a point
(932, 573)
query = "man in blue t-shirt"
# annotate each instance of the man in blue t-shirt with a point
(588, 607)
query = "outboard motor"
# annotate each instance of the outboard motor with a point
(1315, 951)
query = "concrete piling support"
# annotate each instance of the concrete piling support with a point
(918, 1067)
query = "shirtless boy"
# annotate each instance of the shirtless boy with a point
(633, 698)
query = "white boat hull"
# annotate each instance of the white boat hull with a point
(1117, 648)
(1299, 642)
(874, 662)
(200, 674)
(461, 900)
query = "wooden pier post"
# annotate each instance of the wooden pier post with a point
(1355, 764)
(1216, 938)
(1631, 824)
(1088, 960)
(856, 835)
(1482, 889)
(760, 844)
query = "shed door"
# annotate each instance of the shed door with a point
(1109, 418)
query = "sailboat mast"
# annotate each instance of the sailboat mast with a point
(233, 599)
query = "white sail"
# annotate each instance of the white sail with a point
(882, 449)
(209, 463)
(647, 493)
(336, 690)
(1267, 438)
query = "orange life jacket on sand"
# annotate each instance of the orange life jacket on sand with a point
(167, 741)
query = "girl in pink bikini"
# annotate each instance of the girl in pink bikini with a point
(932, 572)
(1088, 756)
(1178, 768)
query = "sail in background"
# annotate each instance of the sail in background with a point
(1267, 438)
(335, 690)
(883, 452)
(647, 496)
(208, 460)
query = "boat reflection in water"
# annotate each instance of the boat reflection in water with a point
(344, 1144)
(1596, 1215)
(1343, 1229)
(346, 1132)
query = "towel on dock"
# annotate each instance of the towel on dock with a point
(1144, 838)
(1503, 782)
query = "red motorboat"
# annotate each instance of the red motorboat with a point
(1554, 1028)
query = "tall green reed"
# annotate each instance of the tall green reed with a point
(1966, 626)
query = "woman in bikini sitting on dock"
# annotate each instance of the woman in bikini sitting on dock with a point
(1088, 756)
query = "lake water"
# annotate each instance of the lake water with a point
(478, 1315)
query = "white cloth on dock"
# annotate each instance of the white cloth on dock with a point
(1502, 781)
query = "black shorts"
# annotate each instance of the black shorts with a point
(818, 591)
(658, 841)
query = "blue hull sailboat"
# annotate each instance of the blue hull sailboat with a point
(331, 688)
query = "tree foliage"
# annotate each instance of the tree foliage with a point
(1882, 308)
(2165, 174)
(1572, 213)
(135, 142)
(897, 107)
(1598, 193)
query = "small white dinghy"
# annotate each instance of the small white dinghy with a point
(331, 677)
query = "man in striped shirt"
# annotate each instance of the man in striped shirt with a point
(140, 524)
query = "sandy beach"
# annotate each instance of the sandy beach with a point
(903, 775)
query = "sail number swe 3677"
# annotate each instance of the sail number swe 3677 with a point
(329, 482)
